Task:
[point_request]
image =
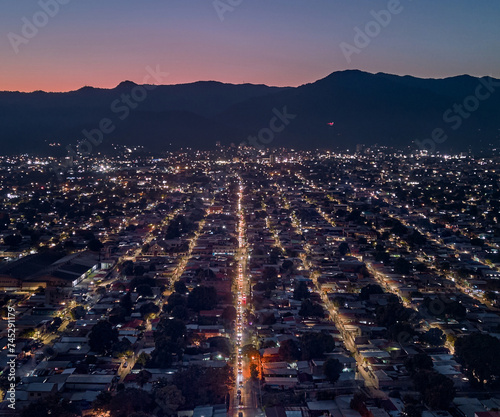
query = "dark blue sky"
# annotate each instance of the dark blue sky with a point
(278, 42)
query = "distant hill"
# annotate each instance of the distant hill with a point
(339, 111)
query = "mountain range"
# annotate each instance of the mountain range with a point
(337, 112)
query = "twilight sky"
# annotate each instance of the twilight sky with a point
(274, 42)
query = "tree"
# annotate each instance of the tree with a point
(102, 401)
(301, 291)
(204, 274)
(315, 344)
(399, 229)
(174, 300)
(419, 362)
(477, 242)
(122, 348)
(200, 385)
(250, 351)
(416, 239)
(78, 313)
(437, 390)
(169, 398)
(413, 410)
(269, 274)
(289, 350)
(368, 290)
(229, 314)
(53, 406)
(126, 303)
(438, 308)
(394, 313)
(287, 266)
(144, 290)
(95, 245)
(165, 348)
(478, 353)
(102, 337)
(180, 312)
(28, 333)
(101, 290)
(268, 319)
(434, 337)
(127, 268)
(55, 324)
(274, 255)
(343, 249)
(401, 332)
(332, 368)
(220, 344)
(382, 256)
(402, 266)
(202, 298)
(421, 267)
(265, 286)
(169, 341)
(143, 359)
(13, 240)
(254, 371)
(174, 329)
(4, 221)
(117, 315)
(463, 273)
(490, 296)
(149, 310)
(143, 377)
(310, 309)
(456, 310)
(139, 271)
(180, 287)
(268, 343)
(339, 302)
(130, 400)
(177, 227)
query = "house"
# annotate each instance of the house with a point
(84, 382)
(37, 390)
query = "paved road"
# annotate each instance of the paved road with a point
(247, 403)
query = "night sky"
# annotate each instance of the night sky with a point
(275, 42)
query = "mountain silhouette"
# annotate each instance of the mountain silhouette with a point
(338, 111)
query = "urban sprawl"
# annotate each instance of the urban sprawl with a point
(251, 282)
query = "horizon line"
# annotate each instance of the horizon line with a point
(244, 83)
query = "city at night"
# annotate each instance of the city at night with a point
(238, 208)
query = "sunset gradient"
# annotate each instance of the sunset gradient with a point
(275, 42)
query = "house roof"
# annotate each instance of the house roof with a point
(40, 387)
